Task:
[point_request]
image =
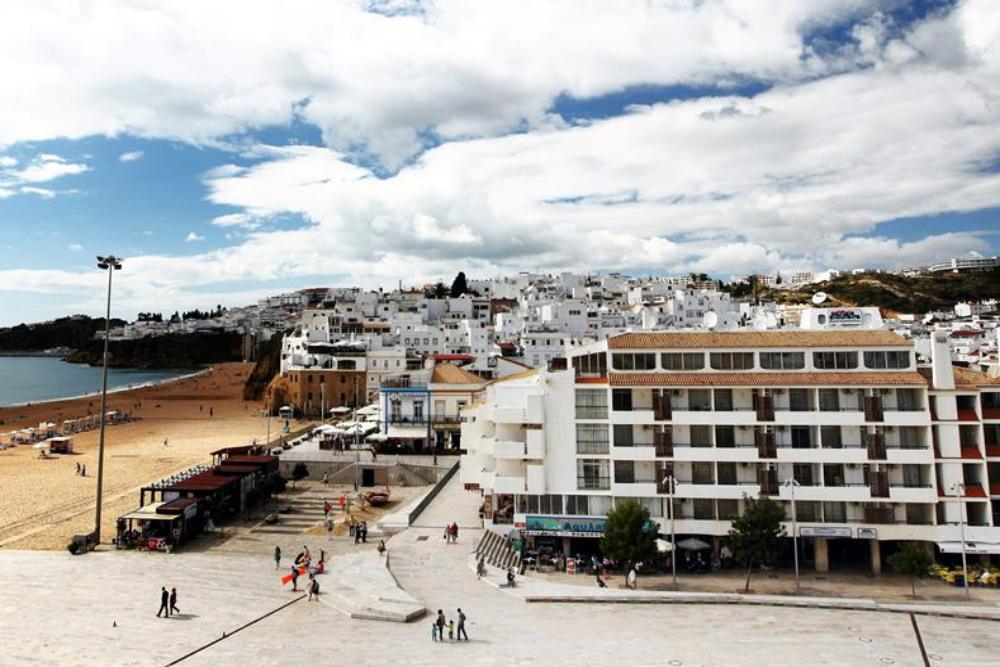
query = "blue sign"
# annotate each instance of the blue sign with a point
(564, 526)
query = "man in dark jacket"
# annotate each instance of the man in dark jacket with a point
(164, 602)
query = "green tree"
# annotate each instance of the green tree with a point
(300, 471)
(459, 286)
(439, 291)
(777, 278)
(628, 534)
(755, 536)
(913, 561)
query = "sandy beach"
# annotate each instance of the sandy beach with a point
(44, 502)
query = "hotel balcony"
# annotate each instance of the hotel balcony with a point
(738, 453)
(532, 447)
(637, 452)
(912, 494)
(639, 416)
(636, 489)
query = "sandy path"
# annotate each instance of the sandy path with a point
(43, 502)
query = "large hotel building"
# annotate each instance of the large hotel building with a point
(875, 449)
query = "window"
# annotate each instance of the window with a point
(627, 361)
(418, 410)
(725, 436)
(835, 512)
(621, 400)
(599, 505)
(829, 400)
(803, 473)
(702, 473)
(727, 473)
(731, 361)
(593, 474)
(591, 439)
(887, 359)
(728, 509)
(907, 400)
(798, 400)
(835, 360)
(833, 474)
(801, 437)
(699, 400)
(831, 437)
(624, 472)
(577, 505)
(701, 436)
(783, 361)
(723, 400)
(653, 505)
(909, 437)
(591, 404)
(624, 435)
(704, 508)
(687, 361)
(807, 510)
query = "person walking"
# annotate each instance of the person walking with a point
(313, 588)
(164, 602)
(461, 626)
(295, 579)
(434, 631)
(277, 557)
(451, 630)
(327, 508)
(364, 532)
(440, 625)
(173, 601)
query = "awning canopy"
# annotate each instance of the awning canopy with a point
(407, 432)
(148, 513)
(970, 547)
(340, 410)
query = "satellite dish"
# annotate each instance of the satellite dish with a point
(710, 320)
(818, 298)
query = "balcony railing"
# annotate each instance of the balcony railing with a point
(594, 483)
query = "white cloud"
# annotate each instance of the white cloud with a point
(75, 247)
(130, 156)
(798, 176)
(7, 161)
(191, 72)
(192, 237)
(44, 193)
(43, 168)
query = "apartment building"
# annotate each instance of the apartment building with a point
(875, 450)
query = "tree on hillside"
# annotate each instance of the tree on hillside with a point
(629, 536)
(755, 536)
(913, 561)
(459, 286)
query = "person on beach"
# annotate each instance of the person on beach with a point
(78, 468)
(164, 442)
(83, 469)
(451, 630)
(295, 579)
(173, 601)
(277, 557)
(164, 602)
(313, 589)
(327, 508)
(211, 412)
(461, 626)
(434, 631)
(381, 547)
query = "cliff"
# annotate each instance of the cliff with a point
(66, 332)
(170, 351)
(267, 368)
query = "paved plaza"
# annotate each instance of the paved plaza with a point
(101, 609)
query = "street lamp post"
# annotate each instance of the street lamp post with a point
(267, 442)
(357, 454)
(109, 264)
(792, 483)
(322, 401)
(959, 489)
(671, 483)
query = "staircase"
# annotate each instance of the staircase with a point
(497, 551)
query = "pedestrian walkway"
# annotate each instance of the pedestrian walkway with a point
(454, 504)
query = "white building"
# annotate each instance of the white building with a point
(873, 443)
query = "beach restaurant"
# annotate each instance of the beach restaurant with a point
(160, 526)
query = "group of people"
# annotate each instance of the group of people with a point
(451, 533)
(81, 469)
(168, 602)
(359, 531)
(440, 623)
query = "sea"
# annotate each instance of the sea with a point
(36, 379)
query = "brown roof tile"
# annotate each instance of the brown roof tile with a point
(790, 338)
(775, 379)
(452, 374)
(965, 378)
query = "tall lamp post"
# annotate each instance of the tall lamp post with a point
(959, 489)
(671, 482)
(357, 451)
(109, 264)
(792, 484)
(267, 442)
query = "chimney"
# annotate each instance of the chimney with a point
(943, 376)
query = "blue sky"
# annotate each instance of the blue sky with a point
(718, 136)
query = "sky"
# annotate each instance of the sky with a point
(233, 150)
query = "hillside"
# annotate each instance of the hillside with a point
(67, 332)
(899, 294)
(267, 367)
(171, 351)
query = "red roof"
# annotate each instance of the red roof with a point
(237, 470)
(205, 481)
(252, 459)
(175, 506)
(454, 357)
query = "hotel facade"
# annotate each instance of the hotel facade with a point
(874, 449)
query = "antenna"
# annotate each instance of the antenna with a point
(818, 298)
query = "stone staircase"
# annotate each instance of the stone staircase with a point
(497, 551)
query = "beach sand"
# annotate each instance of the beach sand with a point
(43, 503)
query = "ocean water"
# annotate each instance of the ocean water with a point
(34, 379)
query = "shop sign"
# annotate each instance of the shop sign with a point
(867, 533)
(845, 318)
(824, 531)
(564, 526)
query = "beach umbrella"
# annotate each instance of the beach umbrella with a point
(663, 546)
(693, 544)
